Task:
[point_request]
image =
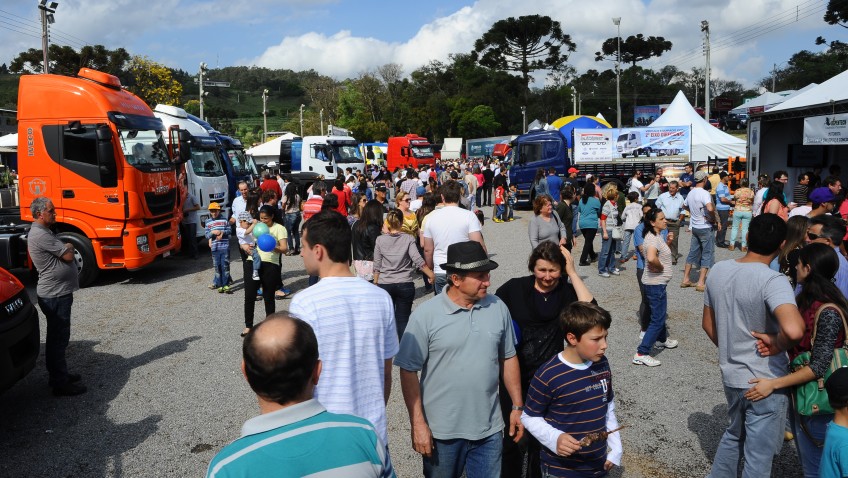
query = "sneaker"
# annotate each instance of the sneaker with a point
(69, 390)
(616, 272)
(603, 274)
(668, 344)
(221, 290)
(496, 220)
(646, 360)
(510, 219)
(641, 334)
(212, 287)
(225, 289)
(255, 275)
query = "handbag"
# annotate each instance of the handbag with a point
(810, 399)
(617, 233)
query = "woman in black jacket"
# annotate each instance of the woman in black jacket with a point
(365, 232)
(535, 303)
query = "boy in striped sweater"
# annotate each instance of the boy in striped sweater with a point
(571, 397)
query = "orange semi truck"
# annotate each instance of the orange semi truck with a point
(409, 151)
(107, 163)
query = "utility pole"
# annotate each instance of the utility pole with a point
(524, 119)
(301, 119)
(264, 115)
(773, 77)
(202, 69)
(705, 27)
(617, 22)
(573, 101)
(321, 114)
(47, 12)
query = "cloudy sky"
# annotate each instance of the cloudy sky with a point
(343, 38)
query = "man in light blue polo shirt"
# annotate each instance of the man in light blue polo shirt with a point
(295, 435)
(724, 201)
(459, 341)
(671, 204)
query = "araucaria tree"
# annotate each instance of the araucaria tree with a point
(524, 44)
(634, 49)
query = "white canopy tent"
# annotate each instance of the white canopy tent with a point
(832, 90)
(707, 140)
(269, 151)
(9, 143)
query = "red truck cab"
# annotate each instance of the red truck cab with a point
(19, 339)
(409, 151)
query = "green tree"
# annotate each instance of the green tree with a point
(807, 67)
(64, 60)
(478, 122)
(837, 13)
(153, 82)
(524, 44)
(634, 49)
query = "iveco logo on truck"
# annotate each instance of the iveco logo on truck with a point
(13, 307)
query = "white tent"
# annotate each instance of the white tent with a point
(9, 143)
(707, 140)
(834, 89)
(767, 100)
(270, 150)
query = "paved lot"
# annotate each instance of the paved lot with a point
(160, 354)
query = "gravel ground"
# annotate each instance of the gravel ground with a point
(160, 354)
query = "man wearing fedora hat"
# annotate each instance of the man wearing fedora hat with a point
(459, 341)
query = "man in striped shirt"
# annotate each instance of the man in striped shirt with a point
(295, 436)
(571, 397)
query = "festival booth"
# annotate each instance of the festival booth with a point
(567, 124)
(804, 133)
(707, 140)
(268, 152)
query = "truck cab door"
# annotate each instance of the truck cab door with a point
(88, 175)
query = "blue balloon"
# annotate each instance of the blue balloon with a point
(266, 243)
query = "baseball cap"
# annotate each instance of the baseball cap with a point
(573, 170)
(700, 176)
(213, 206)
(244, 216)
(381, 188)
(820, 195)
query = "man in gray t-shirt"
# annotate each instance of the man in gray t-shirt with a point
(750, 314)
(459, 340)
(58, 278)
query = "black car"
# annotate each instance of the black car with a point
(733, 121)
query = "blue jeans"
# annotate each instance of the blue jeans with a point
(606, 262)
(808, 453)
(742, 218)
(57, 312)
(499, 212)
(440, 283)
(478, 458)
(402, 295)
(762, 422)
(221, 264)
(624, 245)
(658, 303)
(292, 224)
(702, 248)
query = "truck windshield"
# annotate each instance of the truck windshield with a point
(422, 151)
(240, 162)
(144, 150)
(347, 154)
(205, 162)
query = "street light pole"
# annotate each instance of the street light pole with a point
(617, 22)
(264, 116)
(321, 114)
(202, 69)
(524, 119)
(301, 119)
(47, 12)
(705, 27)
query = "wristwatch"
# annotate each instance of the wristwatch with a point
(515, 407)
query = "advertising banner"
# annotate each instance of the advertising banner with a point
(661, 143)
(828, 129)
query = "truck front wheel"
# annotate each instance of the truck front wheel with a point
(83, 256)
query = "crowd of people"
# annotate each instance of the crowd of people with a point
(516, 383)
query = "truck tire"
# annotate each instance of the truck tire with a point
(83, 255)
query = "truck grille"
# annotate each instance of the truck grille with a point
(159, 204)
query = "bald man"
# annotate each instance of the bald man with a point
(295, 435)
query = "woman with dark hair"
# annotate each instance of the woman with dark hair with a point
(269, 269)
(253, 201)
(774, 202)
(546, 225)
(796, 239)
(365, 232)
(291, 218)
(824, 309)
(540, 183)
(357, 205)
(342, 195)
(588, 211)
(566, 214)
(658, 270)
(478, 174)
(331, 202)
(428, 204)
(535, 302)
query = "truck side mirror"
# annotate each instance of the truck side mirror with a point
(106, 157)
(185, 146)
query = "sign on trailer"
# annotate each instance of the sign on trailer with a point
(666, 143)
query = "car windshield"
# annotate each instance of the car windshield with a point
(144, 150)
(347, 154)
(205, 162)
(422, 151)
(241, 164)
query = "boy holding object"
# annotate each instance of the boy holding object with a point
(571, 397)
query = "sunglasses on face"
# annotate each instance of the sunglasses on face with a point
(812, 236)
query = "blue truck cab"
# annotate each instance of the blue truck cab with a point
(531, 151)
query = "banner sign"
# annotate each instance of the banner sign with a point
(828, 129)
(661, 143)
